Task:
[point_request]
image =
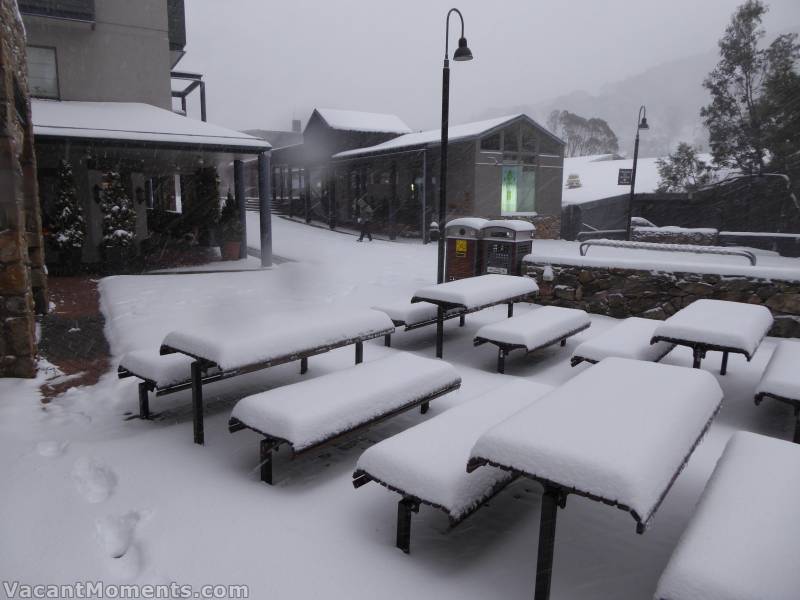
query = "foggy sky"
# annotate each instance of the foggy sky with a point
(266, 62)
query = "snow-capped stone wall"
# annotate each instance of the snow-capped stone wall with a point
(623, 293)
(676, 235)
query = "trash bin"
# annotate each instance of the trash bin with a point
(504, 243)
(462, 257)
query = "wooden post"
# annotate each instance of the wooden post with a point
(264, 208)
(241, 202)
(547, 541)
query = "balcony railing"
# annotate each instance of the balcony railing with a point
(73, 10)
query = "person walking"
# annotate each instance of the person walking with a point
(365, 220)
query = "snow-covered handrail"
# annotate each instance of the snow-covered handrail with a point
(584, 247)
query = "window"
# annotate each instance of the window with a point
(42, 72)
(491, 142)
(518, 190)
(528, 140)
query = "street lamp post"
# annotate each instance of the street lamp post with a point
(462, 53)
(641, 124)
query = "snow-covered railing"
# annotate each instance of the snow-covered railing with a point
(584, 247)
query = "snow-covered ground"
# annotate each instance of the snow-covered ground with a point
(598, 176)
(83, 484)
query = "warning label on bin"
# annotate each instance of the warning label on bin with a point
(461, 248)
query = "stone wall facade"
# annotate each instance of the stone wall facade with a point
(657, 295)
(23, 286)
(675, 235)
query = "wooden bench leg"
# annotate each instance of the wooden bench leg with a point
(501, 360)
(724, 368)
(197, 402)
(265, 455)
(387, 340)
(303, 366)
(547, 540)
(461, 320)
(359, 352)
(698, 356)
(144, 401)
(510, 309)
(404, 509)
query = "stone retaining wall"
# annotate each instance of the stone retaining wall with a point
(629, 292)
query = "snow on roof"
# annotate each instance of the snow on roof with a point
(354, 120)
(432, 136)
(473, 222)
(132, 121)
(598, 176)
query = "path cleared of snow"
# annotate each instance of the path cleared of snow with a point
(199, 515)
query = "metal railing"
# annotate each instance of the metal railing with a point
(750, 256)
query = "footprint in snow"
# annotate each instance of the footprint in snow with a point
(51, 448)
(115, 533)
(93, 479)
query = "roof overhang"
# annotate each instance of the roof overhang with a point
(138, 125)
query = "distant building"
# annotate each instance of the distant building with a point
(102, 74)
(503, 167)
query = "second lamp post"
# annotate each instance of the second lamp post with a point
(641, 124)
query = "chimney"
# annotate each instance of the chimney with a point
(296, 128)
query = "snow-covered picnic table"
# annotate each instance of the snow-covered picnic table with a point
(743, 539)
(718, 325)
(474, 294)
(619, 433)
(236, 348)
(781, 380)
(413, 316)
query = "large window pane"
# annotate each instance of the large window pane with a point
(518, 190)
(42, 72)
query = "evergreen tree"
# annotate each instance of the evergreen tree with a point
(743, 118)
(69, 227)
(119, 215)
(682, 170)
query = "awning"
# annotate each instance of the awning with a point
(139, 124)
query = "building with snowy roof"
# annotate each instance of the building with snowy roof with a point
(502, 167)
(103, 78)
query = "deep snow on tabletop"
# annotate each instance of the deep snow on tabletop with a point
(622, 442)
(428, 461)
(781, 376)
(719, 323)
(198, 515)
(628, 339)
(478, 291)
(744, 537)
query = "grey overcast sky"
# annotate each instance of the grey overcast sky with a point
(267, 61)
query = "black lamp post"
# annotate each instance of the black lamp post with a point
(641, 123)
(461, 53)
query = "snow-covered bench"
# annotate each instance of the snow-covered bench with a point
(744, 537)
(308, 414)
(474, 294)
(231, 348)
(537, 329)
(781, 380)
(629, 338)
(719, 325)
(413, 316)
(619, 433)
(162, 374)
(426, 463)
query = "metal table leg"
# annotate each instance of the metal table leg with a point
(197, 402)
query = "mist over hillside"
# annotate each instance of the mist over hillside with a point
(673, 93)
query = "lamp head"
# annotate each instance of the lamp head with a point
(462, 52)
(643, 124)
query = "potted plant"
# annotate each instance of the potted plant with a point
(119, 222)
(68, 228)
(230, 229)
